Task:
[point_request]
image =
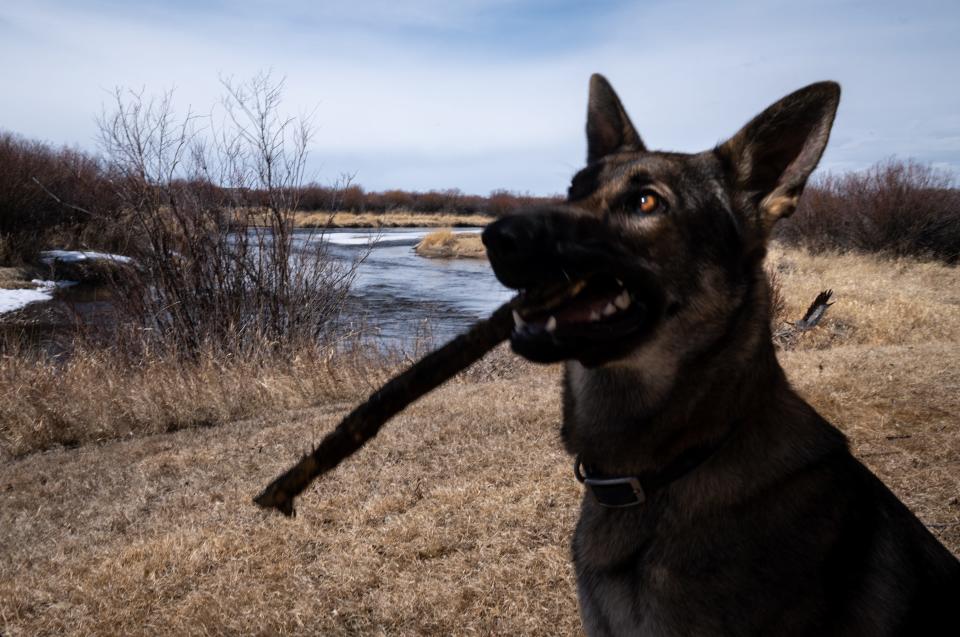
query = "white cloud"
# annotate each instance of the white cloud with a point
(399, 99)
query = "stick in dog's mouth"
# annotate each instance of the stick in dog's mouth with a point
(365, 421)
(583, 302)
(591, 319)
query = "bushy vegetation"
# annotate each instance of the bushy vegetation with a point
(46, 198)
(67, 198)
(53, 197)
(348, 197)
(899, 208)
(219, 266)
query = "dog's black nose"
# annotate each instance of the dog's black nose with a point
(516, 246)
(511, 243)
(545, 244)
(507, 236)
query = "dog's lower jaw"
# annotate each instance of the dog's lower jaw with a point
(594, 399)
(641, 411)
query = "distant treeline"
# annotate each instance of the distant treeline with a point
(47, 194)
(353, 198)
(66, 198)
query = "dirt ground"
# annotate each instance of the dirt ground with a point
(457, 518)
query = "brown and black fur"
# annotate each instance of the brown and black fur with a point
(779, 530)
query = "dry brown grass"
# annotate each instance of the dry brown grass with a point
(456, 519)
(18, 278)
(444, 244)
(98, 395)
(878, 301)
(393, 219)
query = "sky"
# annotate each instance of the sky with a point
(488, 94)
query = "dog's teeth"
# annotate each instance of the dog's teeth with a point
(609, 310)
(518, 320)
(594, 315)
(551, 324)
(623, 300)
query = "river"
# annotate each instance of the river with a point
(397, 297)
(405, 296)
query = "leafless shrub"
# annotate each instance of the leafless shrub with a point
(211, 202)
(45, 196)
(346, 196)
(901, 208)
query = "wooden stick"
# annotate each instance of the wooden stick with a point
(365, 421)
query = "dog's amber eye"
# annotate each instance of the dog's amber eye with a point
(649, 202)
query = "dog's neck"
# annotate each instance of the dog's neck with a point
(640, 417)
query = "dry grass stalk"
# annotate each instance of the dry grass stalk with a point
(99, 395)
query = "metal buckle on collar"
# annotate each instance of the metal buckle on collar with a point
(614, 493)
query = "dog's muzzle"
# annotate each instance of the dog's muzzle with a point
(586, 295)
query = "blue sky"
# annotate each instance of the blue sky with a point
(485, 94)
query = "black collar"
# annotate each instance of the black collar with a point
(627, 491)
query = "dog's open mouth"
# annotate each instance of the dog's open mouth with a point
(589, 319)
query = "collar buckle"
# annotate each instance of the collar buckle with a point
(614, 493)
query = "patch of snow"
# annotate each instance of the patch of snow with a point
(11, 300)
(50, 285)
(73, 256)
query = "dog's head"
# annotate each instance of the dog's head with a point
(655, 250)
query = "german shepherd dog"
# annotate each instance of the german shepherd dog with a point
(718, 502)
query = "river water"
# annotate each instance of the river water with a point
(405, 296)
(397, 297)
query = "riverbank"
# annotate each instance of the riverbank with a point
(456, 519)
(395, 219)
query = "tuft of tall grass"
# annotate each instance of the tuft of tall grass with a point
(103, 393)
(447, 244)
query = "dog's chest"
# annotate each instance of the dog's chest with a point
(623, 582)
(618, 604)
(638, 573)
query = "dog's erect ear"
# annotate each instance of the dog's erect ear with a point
(608, 128)
(774, 154)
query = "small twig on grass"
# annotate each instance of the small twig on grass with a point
(786, 337)
(365, 421)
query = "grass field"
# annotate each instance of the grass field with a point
(457, 518)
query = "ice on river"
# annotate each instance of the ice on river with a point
(368, 237)
(73, 256)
